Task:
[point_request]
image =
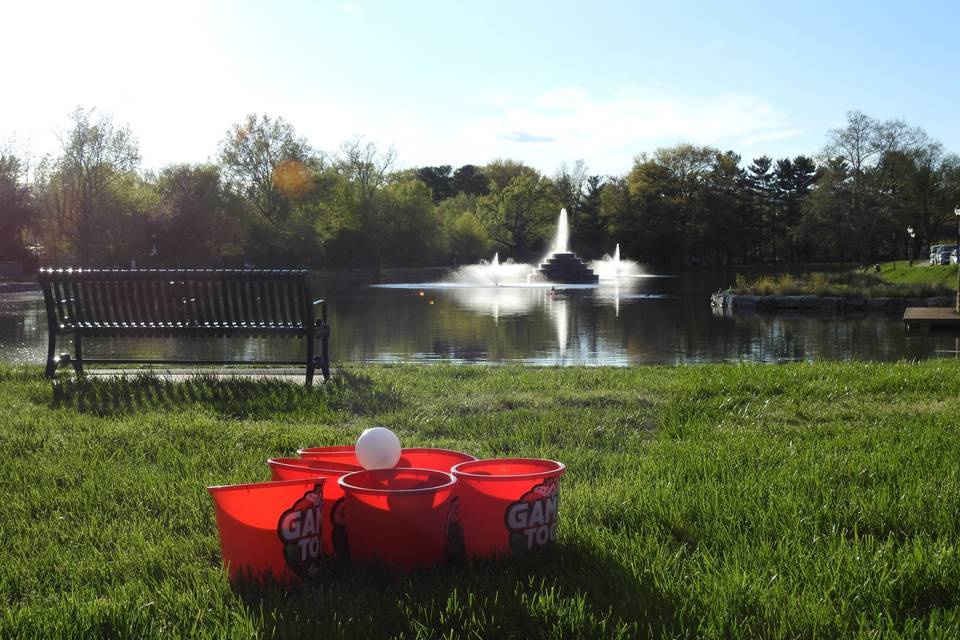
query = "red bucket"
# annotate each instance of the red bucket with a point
(436, 459)
(346, 454)
(406, 518)
(270, 530)
(296, 468)
(509, 505)
(334, 506)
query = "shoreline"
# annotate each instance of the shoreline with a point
(733, 301)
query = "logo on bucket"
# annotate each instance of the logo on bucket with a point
(300, 528)
(532, 520)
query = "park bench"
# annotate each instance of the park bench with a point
(195, 303)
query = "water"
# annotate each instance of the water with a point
(640, 320)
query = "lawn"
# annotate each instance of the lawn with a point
(920, 273)
(803, 500)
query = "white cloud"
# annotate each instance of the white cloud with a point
(609, 132)
(772, 136)
(351, 8)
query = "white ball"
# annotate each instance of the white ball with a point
(378, 448)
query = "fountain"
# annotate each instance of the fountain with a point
(561, 264)
(613, 268)
(492, 273)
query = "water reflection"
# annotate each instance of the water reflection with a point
(630, 321)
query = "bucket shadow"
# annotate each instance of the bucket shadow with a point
(229, 397)
(569, 591)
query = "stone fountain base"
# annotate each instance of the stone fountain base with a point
(567, 268)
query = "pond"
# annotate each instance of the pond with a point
(402, 317)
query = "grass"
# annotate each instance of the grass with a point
(804, 500)
(845, 284)
(920, 273)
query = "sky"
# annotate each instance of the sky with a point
(452, 82)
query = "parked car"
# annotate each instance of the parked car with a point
(934, 252)
(953, 257)
(943, 255)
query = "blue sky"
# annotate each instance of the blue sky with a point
(455, 82)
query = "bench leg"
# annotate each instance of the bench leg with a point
(51, 369)
(325, 354)
(78, 355)
(311, 363)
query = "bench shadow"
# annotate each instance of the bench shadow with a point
(234, 397)
(569, 591)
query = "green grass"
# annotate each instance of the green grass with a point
(844, 284)
(804, 500)
(920, 273)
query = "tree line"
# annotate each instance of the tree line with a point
(270, 199)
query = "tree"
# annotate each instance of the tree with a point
(589, 229)
(409, 229)
(97, 156)
(267, 162)
(645, 213)
(519, 214)
(792, 182)
(570, 184)
(468, 240)
(760, 178)
(469, 179)
(821, 224)
(728, 233)
(366, 169)
(196, 221)
(439, 180)
(861, 146)
(501, 172)
(16, 207)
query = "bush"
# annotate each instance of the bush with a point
(849, 284)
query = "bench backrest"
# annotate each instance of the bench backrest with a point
(176, 297)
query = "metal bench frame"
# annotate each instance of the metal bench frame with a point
(182, 302)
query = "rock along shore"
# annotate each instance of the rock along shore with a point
(732, 301)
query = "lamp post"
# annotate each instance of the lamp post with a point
(910, 245)
(956, 211)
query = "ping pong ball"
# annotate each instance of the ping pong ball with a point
(378, 448)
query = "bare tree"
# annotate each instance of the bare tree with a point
(863, 145)
(268, 162)
(96, 155)
(365, 166)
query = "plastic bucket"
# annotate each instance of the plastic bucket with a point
(334, 506)
(428, 458)
(345, 454)
(406, 518)
(509, 505)
(270, 530)
(296, 468)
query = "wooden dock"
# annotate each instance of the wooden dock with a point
(927, 318)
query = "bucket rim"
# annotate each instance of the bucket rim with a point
(344, 483)
(319, 465)
(335, 449)
(220, 488)
(436, 450)
(558, 469)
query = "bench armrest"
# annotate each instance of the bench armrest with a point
(323, 309)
